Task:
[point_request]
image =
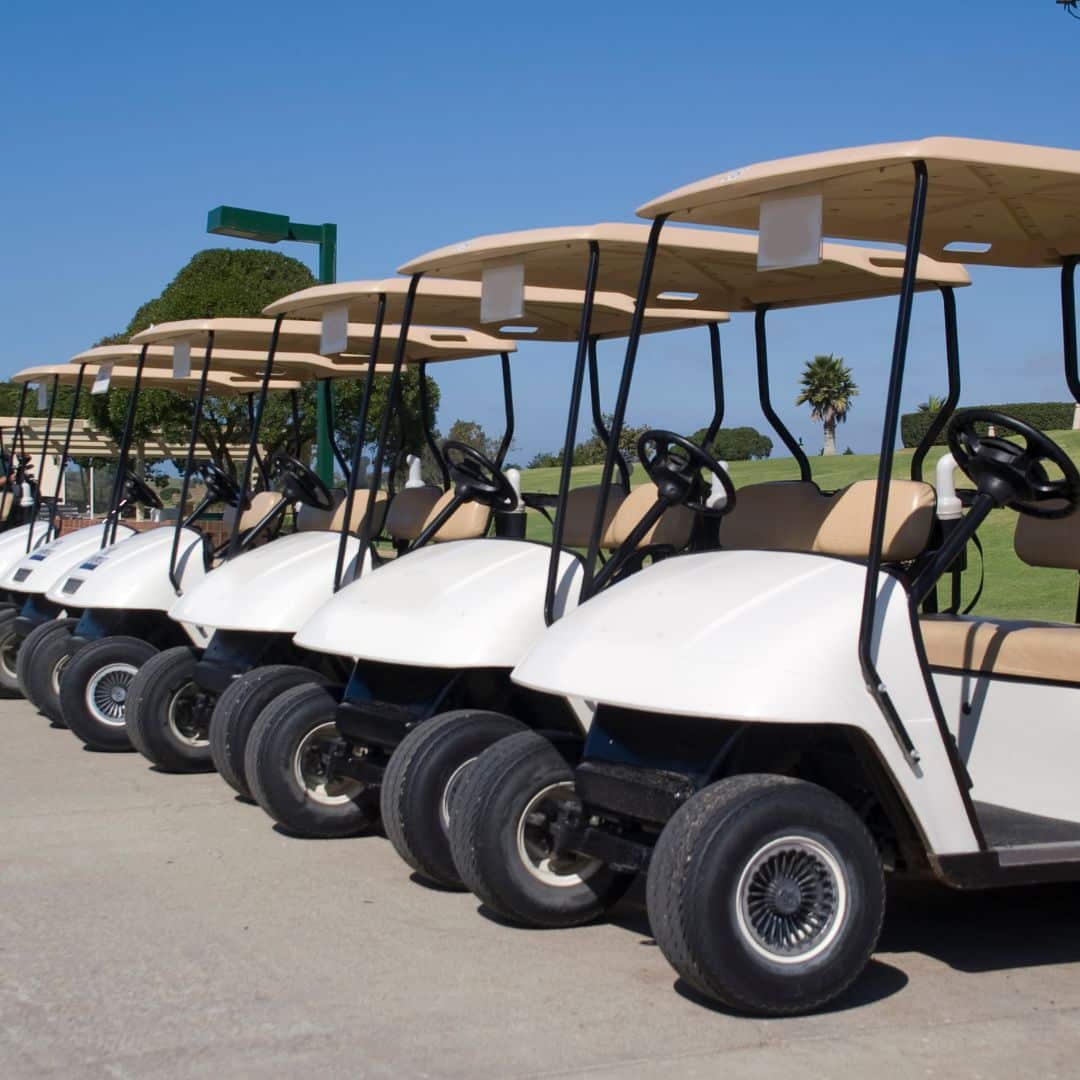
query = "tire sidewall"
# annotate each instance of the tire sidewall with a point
(44, 648)
(150, 698)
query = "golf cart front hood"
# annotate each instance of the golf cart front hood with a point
(271, 589)
(462, 604)
(39, 571)
(133, 573)
(13, 543)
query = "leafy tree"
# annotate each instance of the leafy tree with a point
(472, 434)
(932, 404)
(828, 388)
(737, 444)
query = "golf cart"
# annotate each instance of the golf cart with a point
(442, 629)
(255, 603)
(767, 787)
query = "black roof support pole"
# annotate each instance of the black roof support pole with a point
(72, 416)
(717, 361)
(598, 416)
(41, 466)
(113, 516)
(508, 406)
(762, 349)
(428, 420)
(952, 362)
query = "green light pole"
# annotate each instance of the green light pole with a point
(271, 229)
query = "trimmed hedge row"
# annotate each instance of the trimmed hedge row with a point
(1044, 415)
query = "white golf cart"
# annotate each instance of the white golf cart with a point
(253, 605)
(776, 727)
(40, 622)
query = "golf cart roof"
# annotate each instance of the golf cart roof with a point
(1019, 204)
(298, 336)
(218, 382)
(548, 314)
(694, 267)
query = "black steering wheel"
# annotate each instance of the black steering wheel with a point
(1014, 475)
(219, 483)
(299, 483)
(674, 465)
(138, 490)
(477, 478)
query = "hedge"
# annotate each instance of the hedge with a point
(1044, 415)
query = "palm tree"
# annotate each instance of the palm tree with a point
(932, 404)
(828, 388)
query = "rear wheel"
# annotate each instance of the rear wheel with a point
(766, 894)
(286, 767)
(43, 655)
(237, 710)
(9, 651)
(168, 715)
(500, 838)
(94, 688)
(421, 778)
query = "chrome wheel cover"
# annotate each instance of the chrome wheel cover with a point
(185, 726)
(791, 901)
(533, 845)
(307, 774)
(106, 693)
(9, 651)
(448, 793)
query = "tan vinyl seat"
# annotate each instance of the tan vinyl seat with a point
(581, 507)
(312, 519)
(7, 504)
(408, 510)
(672, 529)
(361, 498)
(780, 516)
(468, 521)
(262, 502)
(1024, 649)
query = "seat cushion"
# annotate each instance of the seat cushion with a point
(408, 511)
(1022, 649)
(671, 530)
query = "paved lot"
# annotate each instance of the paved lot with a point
(154, 926)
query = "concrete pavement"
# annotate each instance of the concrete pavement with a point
(155, 926)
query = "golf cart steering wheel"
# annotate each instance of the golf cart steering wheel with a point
(1013, 475)
(220, 484)
(137, 490)
(674, 465)
(299, 483)
(477, 478)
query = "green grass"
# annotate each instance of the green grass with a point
(1012, 588)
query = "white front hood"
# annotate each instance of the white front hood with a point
(758, 636)
(39, 571)
(271, 589)
(463, 604)
(133, 573)
(13, 543)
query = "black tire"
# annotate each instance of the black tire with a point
(489, 806)
(237, 710)
(44, 653)
(702, 876)
(108, 660)
(431, 761)
(10, 646)
(167, 715)
(279, 744)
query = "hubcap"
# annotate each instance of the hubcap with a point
(57, 673)
(791, 900)
(448, 793)
(106, 693)
(187, 721)
(309, 769)
(9, 652)
(534, 841)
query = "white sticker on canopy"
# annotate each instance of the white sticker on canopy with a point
(502, 293)
(101, 379)
(789, 228)
(335, 330)
(181, 360)
(42, 396)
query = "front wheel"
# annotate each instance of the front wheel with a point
(168, 715)
(286, 765)
(9, 651)
(94, 688)
(421, 778)
(43, 655)
(501, 838)
(766, 894)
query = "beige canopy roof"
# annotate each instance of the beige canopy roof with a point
(218, 382)
(1023, 201)
(713, 268)
(549, 314)
(298, 336)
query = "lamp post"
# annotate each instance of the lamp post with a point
(272, 229)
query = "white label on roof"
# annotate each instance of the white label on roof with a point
(42, 396)
(101, 379)
(335, 330)
(502, 293)
(789, 228)
(181, 360)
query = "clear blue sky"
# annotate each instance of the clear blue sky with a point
(414, 125)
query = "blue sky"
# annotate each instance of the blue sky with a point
(415, 125)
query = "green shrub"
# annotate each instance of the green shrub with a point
(1044, 415)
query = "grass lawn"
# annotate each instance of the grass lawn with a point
(1012, 588)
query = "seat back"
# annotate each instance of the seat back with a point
(581, 507)
(784, 515)
(469, 521)
(361, 498)
(408, 510)
(1053, 543)
(312, 519)
(672, 529)
(261, 503)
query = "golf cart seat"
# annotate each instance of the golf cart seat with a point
(672, 530)
(468, 521)
(796, 516)
(260, 504)
(312, 519)
(361, 498)
(409, 510)
(581, 506)
(1021, 648)
(7, 504)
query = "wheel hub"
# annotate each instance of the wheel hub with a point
(106, 693)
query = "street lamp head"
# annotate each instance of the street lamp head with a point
(248, 224)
